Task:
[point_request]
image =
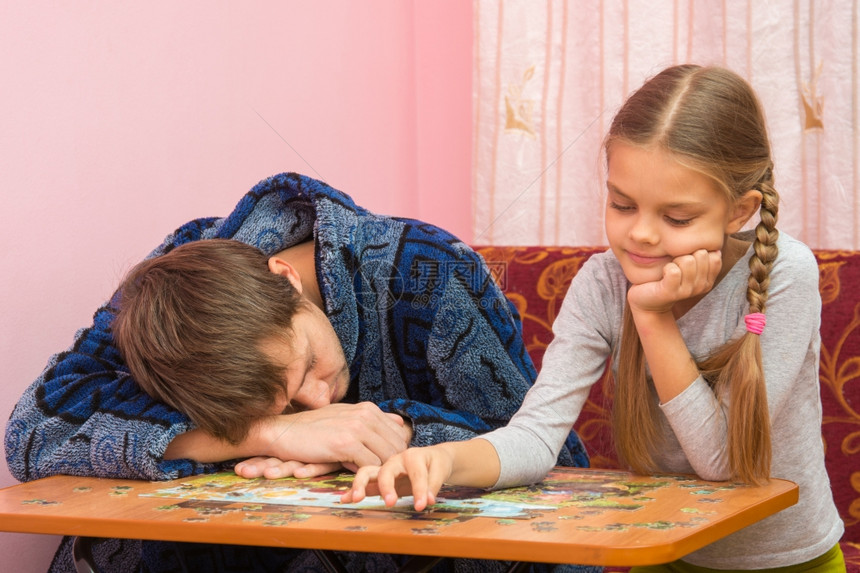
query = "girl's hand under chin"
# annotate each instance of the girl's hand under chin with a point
(686, 277)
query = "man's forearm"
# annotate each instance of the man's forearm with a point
(202, 447)
(344, 433)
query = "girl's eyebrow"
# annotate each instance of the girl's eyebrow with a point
(613, 189)
(676, 205)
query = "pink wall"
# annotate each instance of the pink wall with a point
(121, 121)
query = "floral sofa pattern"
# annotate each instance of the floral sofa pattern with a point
(536, 279)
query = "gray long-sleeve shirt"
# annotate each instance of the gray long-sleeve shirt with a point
(694, 422)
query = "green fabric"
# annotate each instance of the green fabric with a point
(830, 562)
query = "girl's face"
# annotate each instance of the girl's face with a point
(657, 209)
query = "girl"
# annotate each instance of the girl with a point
(713, 331)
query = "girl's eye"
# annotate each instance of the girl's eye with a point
(678, 222)
(619, 207)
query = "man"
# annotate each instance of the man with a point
(432, 347)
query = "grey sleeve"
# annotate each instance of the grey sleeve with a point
(528, 446)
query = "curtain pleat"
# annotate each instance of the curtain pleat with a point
(548, 77)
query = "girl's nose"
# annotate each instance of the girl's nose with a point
(644, 230)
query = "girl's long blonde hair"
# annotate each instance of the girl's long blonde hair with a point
(709, 119)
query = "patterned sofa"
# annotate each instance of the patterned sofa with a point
(536, 279)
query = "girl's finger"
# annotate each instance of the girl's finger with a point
(417, 472)
(386, 479)
(358, 490)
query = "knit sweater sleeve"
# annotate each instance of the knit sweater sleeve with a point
(85, 415)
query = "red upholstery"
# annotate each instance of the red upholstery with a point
(536, 279)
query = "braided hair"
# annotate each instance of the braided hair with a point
(710, 119)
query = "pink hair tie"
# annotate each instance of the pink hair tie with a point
(755, 322)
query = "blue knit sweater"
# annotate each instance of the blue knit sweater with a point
(426, 331)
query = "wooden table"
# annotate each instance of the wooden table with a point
(582, 516)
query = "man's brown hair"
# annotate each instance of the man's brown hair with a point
(190, 325)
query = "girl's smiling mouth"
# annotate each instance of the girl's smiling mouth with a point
(647, 260)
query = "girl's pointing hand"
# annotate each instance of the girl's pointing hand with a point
(419, 471)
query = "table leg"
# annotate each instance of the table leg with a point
(330, 561)
(83, 554)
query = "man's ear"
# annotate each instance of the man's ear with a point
(281, 267)
(743, 209)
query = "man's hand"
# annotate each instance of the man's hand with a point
(685, 277)
(315, 442)
(419, 471)
(273, 468)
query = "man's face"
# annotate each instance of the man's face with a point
(316, 373)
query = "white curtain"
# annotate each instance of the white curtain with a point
(549, 75)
